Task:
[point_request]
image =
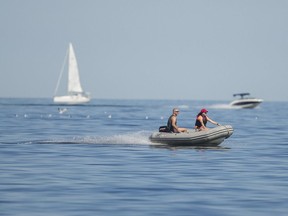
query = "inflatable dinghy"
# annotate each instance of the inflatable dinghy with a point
(210, 137)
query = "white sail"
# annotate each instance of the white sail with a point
(74, 85)
(75, 94)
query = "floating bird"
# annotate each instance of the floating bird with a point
(62, 110)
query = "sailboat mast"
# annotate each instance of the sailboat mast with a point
(61, 72)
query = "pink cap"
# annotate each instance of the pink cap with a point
(204, 110)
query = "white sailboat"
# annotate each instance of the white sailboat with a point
(75, 95)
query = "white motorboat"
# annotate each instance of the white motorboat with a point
(75, 94)
(245, 102)
(207, 138)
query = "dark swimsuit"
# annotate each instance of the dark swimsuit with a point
(198, 123)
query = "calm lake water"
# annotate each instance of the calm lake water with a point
(96, 159)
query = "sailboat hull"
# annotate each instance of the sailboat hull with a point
(71, 99)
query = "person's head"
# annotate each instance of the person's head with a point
(176, 111)
(204, 111)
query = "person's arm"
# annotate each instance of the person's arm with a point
(213, 122)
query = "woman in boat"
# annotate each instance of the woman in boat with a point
(202, 119)
(172, 123)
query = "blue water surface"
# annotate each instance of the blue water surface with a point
(96, 159)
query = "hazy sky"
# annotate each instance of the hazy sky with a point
(147, 49)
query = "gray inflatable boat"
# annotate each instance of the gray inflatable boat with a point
(210, 137)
